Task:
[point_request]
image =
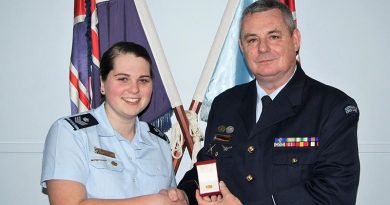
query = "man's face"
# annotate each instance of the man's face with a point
(268, 47)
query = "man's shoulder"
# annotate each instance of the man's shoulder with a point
(331, 98)
(238, 90)
(326, 90)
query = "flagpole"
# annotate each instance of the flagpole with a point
(166, 75)
(212, 58)
(208, 70)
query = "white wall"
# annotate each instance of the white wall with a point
(344, 44)
(35, 43)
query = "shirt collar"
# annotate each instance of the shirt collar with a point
(142, 135)
(106, 130)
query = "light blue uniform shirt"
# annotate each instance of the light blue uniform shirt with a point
(140, 167)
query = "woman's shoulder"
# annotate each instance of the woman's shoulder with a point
(77, 121)
(154, 131)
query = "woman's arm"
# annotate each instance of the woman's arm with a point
(67, 192)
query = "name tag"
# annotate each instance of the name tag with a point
(104, 152)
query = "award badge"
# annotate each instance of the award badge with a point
(208, 178)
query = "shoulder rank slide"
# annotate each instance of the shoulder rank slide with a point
(154, 130)
(82, 121)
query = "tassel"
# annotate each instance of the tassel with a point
(163, 122)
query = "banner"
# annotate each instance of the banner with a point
(104, 24)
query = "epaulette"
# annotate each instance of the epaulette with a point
(154, 130)
(82, 121)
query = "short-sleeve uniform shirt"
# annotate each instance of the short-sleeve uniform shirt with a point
(108, 165)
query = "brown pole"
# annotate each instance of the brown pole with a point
(184, 126)
(195, 106)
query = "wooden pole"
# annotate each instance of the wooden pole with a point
(184, 126)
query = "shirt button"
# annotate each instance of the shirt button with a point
(251, 149)
(294, 160)
(249, 178)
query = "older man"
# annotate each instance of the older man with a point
(283, 138)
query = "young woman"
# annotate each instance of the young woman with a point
(106, 155)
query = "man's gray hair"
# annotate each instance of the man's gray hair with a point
(265, 5)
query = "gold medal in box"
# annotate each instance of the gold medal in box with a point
(208, 178)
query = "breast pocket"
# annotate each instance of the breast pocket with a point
(157, 175)
(291, 166)
(105, 163)
(105, 175)
(223, 153)
(154, 168)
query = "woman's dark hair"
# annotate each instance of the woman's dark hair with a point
(107, 61)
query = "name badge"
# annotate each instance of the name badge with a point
(104, 152)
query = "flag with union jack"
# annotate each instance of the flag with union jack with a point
(84, 65)
(98, 24)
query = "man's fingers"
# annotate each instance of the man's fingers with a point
(181, 195)
(213, 198)
(223, 188)
(173, 194)
(197, 196)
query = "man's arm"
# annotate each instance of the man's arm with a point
(335, 175)
(189, 184)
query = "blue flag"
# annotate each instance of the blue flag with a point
(231, 68)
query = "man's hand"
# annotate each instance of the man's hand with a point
(226, 197)
(176, 196)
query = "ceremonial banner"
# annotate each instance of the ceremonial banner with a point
(80, 75)
(109, 23)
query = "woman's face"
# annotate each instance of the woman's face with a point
(128, 87)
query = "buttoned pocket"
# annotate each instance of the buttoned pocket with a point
(291, 166)
(105, 175)
(293, 156)
(155, 169)
(223, 153)
(157, 175)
